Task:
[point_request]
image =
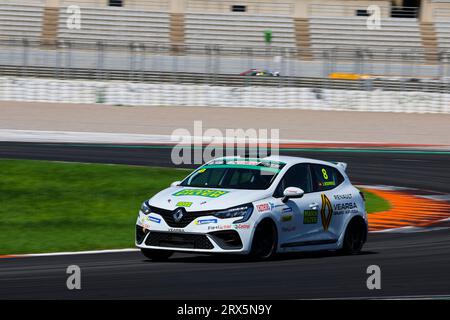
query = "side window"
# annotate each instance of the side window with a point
(297, 176)
(325, 177)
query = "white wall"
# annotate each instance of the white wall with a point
(125, 93)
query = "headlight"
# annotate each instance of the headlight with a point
(145, 208)
(244, 211)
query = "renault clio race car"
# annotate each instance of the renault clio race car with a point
(255, 206)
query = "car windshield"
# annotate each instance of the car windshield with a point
(255, 175)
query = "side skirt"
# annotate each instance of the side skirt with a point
(308, 243)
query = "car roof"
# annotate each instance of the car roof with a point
(289, 160)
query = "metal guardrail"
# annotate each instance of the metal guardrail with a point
(227, 80)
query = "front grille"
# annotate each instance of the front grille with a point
(187, 218)
(140, 234)
(178, 240)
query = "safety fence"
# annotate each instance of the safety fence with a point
(342, 79)
(219, 60)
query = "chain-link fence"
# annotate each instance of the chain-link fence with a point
(66, 57)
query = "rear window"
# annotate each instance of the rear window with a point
(325, 177)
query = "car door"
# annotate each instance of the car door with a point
(298, 218)
(327, 183)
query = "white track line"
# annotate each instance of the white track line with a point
(385, 188)
(69, 253)
(410, 229)
(438, 197)
(132, 138)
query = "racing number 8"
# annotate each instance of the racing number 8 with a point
(325, 174)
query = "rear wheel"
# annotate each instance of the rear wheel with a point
(354, 238)
(156, 255)
(265, 239)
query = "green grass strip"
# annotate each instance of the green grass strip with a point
(375, 203)
(60, 206)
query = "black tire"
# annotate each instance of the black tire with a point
(354, 238)
(265, 241)
(156, 255)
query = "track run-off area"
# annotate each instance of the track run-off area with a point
(413, 253)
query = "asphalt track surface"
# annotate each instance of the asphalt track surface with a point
(412, 264)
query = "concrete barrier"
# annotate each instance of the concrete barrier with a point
(142, 94)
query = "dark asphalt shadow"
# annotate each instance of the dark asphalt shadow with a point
(243, 259)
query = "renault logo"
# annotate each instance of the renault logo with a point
(178, 215)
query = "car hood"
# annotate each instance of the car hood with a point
(203, 199)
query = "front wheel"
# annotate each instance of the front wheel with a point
(265, 240)
(156, 255)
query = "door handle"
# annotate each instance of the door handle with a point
(313, 205)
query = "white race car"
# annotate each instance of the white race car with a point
(255, 206)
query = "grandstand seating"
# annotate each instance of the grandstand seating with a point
(238, 30)
(150, 21)
(264, 7)
(117, 24)
(147, 5)
(443, 34)
(21, 20)
(400, 33)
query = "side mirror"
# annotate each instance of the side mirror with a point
(175, 184)
(292, 193)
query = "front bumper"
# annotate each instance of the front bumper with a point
(215, 236)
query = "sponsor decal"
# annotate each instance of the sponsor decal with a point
(176, 230)
(229, 226)
(287, 218)
(310, 216)
(287, 210)
(223, 227)
(288, 229)
(326, 212)
(242, 226)
(154, 219)
(201, 170)
(201, 193)
(263, 207)
(273, 205)
(343, 196)
(145, 221)
(184, 204)
(329, 183)
(205, 221)
(250, 163)
(345, 208)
